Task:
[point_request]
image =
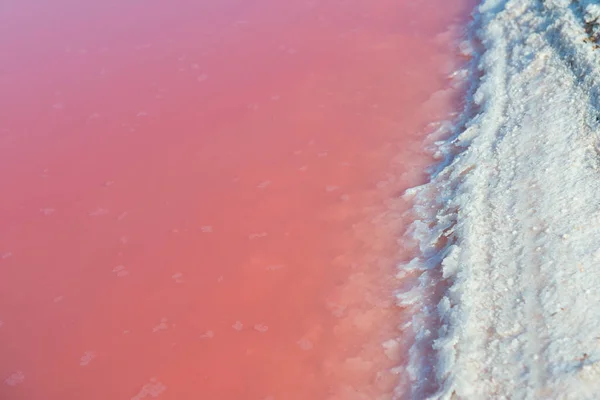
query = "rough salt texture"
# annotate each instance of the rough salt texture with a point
(509, 226)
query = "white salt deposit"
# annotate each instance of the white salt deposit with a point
(509, 225)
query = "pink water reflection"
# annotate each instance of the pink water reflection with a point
(194, 193)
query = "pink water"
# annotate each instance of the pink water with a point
(199, 198)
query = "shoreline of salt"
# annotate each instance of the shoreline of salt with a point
(509, 226)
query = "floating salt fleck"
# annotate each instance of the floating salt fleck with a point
(152, 389)
(305, 344)
(207, 335)
(257, 235)
(98, 212)
(142, 114)
(264, 184)
(120, 271)
(162, 326)
(206, 229)
(87, 358)
(47, 211)
(14, 379)
(238, 326)
(261, 328)
(331, 188)
(5, 256)
(202, 77)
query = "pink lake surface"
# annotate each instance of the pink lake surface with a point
(199, 199)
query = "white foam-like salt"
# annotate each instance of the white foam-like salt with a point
(512, 239)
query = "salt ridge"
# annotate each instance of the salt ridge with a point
(507, 300)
